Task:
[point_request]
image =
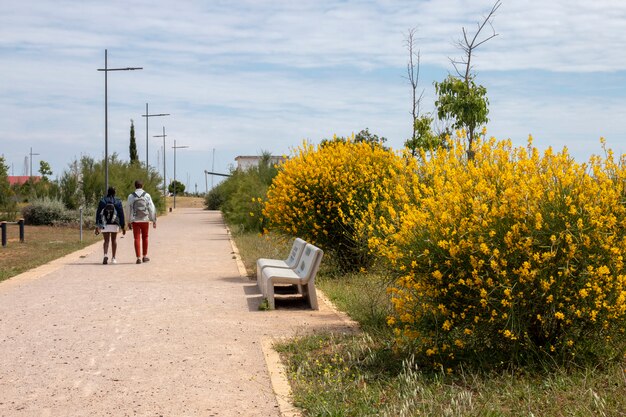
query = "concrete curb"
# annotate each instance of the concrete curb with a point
(275, 367)
(279, 380)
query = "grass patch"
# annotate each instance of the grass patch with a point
(253, 246)
(42, 244)
(358, 375)
(366, 375)
(184, 202)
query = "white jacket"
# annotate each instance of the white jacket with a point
(132, 217)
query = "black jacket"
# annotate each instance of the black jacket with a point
(119, 209)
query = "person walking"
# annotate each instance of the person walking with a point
(109, 221)
(141, 212)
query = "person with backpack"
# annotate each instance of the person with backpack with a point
(109, 220)
(141, 212)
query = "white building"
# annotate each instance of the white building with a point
(246, 162)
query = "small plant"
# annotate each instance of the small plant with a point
(264, 305)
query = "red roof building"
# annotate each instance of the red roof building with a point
(21, 179)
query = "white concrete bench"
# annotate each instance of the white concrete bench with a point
(291, 262)
(303, 276)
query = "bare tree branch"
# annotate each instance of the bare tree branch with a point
(469, 46)
(413, 74)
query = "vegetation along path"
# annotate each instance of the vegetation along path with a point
(180, 335)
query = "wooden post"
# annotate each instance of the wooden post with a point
(20, 222)
(3, 225)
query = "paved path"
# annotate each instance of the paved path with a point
(178, 336)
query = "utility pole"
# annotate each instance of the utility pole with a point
(164, 177)
(31, 162)
(213, 168)
(147, 116)
(106, 70)
(176, 147)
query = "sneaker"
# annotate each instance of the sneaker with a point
(138, 261)
(145, 259)
(105, 260)
(113, 261)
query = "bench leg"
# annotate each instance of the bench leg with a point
(309, 292)
(259, 279)
(269, 294)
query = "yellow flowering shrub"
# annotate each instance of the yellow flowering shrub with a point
(322, 192)
(512, 253)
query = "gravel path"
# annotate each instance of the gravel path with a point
(178, 336)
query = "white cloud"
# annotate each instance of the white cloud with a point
(245, 76)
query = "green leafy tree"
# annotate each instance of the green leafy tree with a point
(423, 136)
(176, 187)
(464, 102)
(4, 180)
(70, 187)
(83, 183)
(134, 156)
(8, 205)
(363, 136)
(459, 97)
(45, 170)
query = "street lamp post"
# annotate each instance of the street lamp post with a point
(213, 168)
(106, 70)
(148, 116)
(164, 177)
(31, 162)
(176, 147)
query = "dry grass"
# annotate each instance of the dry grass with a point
(185, 202)
(41, 245)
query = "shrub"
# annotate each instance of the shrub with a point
(214, 198)
(322, 193)
(241, 196)
(45, 212)
(511, 255)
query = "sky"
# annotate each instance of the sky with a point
(242, 77)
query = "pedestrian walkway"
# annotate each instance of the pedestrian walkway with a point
(178, 336)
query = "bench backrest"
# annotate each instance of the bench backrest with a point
(296, 252)
(309, 262)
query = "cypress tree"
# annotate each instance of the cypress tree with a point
(134, 156)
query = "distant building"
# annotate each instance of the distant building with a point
(247, 162)
(21, 179)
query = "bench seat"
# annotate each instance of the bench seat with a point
(303, 276)
(291, 262)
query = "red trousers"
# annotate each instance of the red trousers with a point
(140, 234)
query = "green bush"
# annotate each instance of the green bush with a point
(215, 198)
(45, 212)
(242, 195)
